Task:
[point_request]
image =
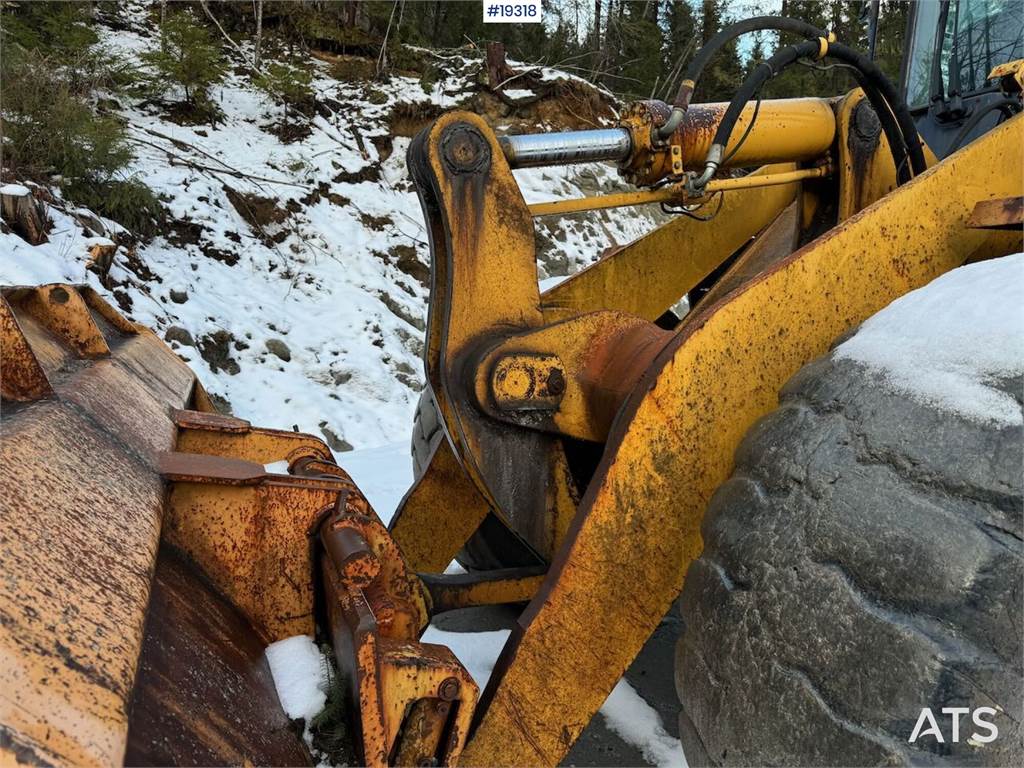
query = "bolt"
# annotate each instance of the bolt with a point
(464, 150)
(556, 382)
(449, 689)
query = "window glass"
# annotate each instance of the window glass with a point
(978, 35)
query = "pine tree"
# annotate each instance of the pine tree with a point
(681, 42)
(188, 57)
(724, 72)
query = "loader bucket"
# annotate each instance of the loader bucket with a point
(148, 559)
(114, 646)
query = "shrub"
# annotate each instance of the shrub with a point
(188, 57)
(127, 201)
(50, 129)
(291, 86)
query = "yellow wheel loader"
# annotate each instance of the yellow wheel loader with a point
(568, 447)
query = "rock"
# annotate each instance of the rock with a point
(333, 441)
(216, 350)
(179, 297)
(180, 335)
(279, 348)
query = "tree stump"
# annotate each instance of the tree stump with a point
(25, 215)
(498, 70)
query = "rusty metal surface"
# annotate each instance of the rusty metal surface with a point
(414, 701)
(204, 694)
(22, 377)
(675, 441)
(81, 519)
(438, 514)
(484, 284)
(463, 590)
(786, 130)
(217, 435)
(251, 534)
(1007, 213)
(648, 276)
(601, 357)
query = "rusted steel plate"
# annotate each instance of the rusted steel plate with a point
(639, 522)
(204, 694)
(1007, 213)
(462, 590)
(81, 519)
(22, 377)
(82, 504)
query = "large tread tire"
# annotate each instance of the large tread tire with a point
(492, 546)
(863, 562)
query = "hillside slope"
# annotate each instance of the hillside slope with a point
(292, 275)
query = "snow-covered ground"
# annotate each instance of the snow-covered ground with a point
(293, 276)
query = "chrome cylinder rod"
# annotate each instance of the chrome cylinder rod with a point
(533, 150)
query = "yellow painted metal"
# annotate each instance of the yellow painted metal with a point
(438, 514)
(250, 534)
(484, 282)
(786, 130)
(675, 440)
(217, 435)
(675, 194)
(502, 586)
(600, 356)
(1011, 73)
(649, 275)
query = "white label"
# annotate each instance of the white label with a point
(518, 12)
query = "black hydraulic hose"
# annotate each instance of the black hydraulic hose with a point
(764, 72)
(712, 46)
(1009, 108)
(869, 77)
(891, 129)
(875, 80)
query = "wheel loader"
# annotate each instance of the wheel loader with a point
(569, 446)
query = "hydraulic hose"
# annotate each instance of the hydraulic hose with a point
(875, 80)
(764, 72)
(892, 112)
(712, 46)
(1009, 107)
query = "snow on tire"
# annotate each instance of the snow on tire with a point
(864, 562)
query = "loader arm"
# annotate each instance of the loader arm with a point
(673, 405)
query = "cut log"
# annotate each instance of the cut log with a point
(25, 215)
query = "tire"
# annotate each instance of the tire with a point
(492, 546)
(864, 561)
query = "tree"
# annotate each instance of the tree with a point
(724, 72)
(188, 57)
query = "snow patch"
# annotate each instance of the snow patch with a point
(947, 344)
(298, 669)
(636, 722)
(383, 475)
(16, 190)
